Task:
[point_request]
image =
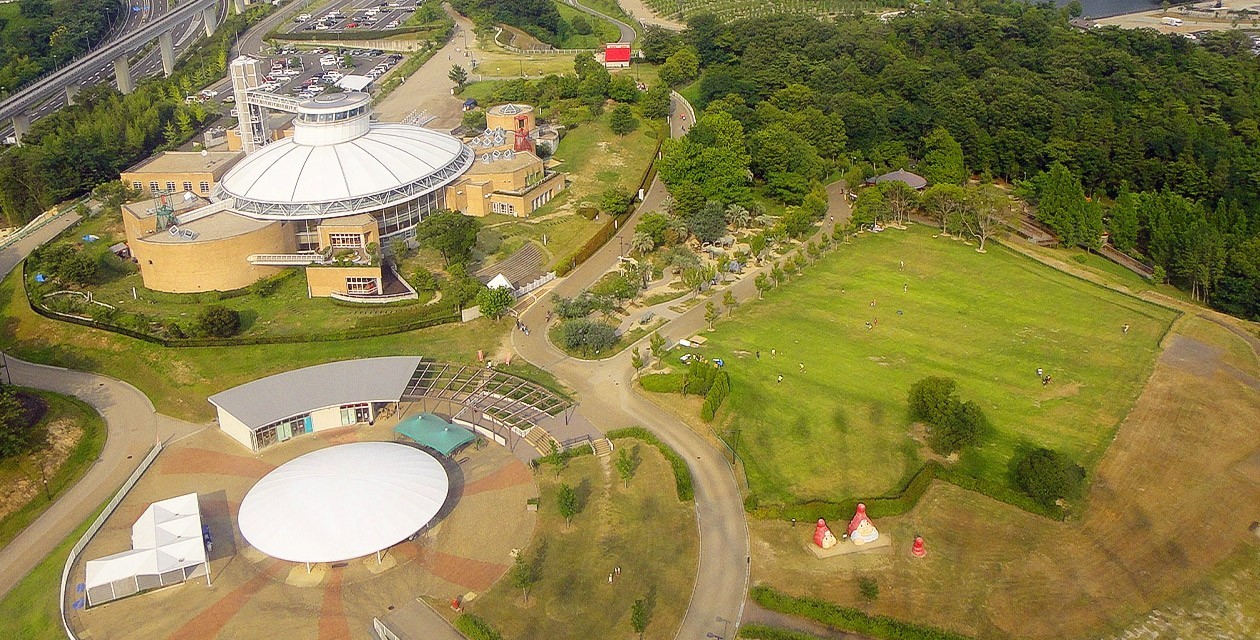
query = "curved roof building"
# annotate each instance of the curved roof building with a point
(339, 163)
(336, 194)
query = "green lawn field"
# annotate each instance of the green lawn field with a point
(838, 429)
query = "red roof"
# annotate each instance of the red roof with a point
(616, 52)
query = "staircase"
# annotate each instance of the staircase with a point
(542, 441)
(603, 447)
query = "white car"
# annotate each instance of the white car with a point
(391, 24)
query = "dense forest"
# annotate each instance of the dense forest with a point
(539, 18)
(74, 149)
(46, 33)
(1152, 138)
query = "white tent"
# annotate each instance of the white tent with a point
(343, 502)
(500, 282)
(166, 548)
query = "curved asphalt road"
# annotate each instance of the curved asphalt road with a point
(608, 399)
(627, 32)
(133, 426)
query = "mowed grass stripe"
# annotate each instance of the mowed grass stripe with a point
(840, 430)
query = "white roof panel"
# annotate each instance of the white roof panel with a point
(387, 157)
(343, 502)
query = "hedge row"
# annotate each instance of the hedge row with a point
(682, 475)
(716, 396)
(663, 382)
(474, 628)
(905, 499)
(762, 632)
(878, 507)
(847, 618)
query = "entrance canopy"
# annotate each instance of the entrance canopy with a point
(435, 433)
(343, 502)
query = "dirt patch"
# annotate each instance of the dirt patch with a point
(1172, 497)
(62, 436)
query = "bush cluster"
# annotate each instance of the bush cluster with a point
(682, 475)
(1048, 476)
(954, 424)
(474, 628)
(848, 618)
(587, 335)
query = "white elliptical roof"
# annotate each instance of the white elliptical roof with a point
(343, 167)
(343, 502)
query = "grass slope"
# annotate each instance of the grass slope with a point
(644, 529)
(840, 430)
(91, 441)
(178, 380)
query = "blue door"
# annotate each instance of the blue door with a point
(306, 425)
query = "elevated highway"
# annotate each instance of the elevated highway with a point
(87, 69)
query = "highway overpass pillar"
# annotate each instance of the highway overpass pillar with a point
(240, 6)
(72, 90)
(21, 126)
(167, 44)
(210, 17)
(122, 74)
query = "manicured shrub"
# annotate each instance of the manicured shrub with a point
(716, 396)
(1048, 476)
(218, 321)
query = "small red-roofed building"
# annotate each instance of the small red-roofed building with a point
(616, 55)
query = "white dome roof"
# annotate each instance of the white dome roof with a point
(343, 502)
(307, 180)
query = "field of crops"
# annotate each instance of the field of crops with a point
(735, 9)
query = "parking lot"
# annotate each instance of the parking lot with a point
(372, 15)
(307, 72)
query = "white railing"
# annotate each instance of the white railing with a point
(285, 259)
(208, 210)
(373, 298)
(538, 282)
(96, 526)
(383, 632)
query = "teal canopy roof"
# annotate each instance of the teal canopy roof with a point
(435, 433)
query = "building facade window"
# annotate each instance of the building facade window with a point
(170, 186)
(355, 413)
(204, 186)
(153, 187)
(345, 240)
(361, 286)
(282, 430)
(505, 208)
(542, 199)
(137, 185)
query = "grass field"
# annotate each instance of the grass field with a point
(1168, 507)
(178, 380)
(735, 9)
(987, 320)
(90, 429)
(644, 529)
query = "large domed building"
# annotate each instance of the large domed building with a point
(330, 197)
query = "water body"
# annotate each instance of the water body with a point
(1104, 8)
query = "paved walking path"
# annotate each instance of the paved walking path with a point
(132, 425)
(606, 390)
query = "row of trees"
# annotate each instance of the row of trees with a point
(997, 89)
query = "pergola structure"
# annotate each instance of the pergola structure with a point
(502, 403)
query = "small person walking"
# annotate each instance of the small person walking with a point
(905, 288)
(780, 379)
(802, 365)
(610, 577)
(1045, 381)
(868, 326)
(774, 352)
(1126, 329)
(1040, 373)
(872, 303)
(903, 265)
(617, 571)
(876, 322)
(759, 354)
